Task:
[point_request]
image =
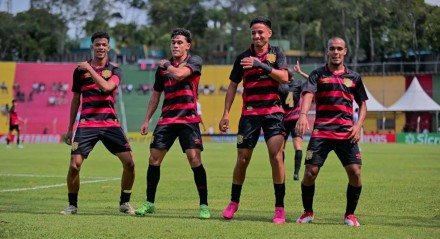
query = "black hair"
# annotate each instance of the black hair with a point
(264, 20)
(182, 31)
(100, 35)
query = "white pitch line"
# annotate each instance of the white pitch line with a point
(54, 185)
(44, 176)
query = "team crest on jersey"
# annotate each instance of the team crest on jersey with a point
(74, 146)
(239, 139)
(315, 131)
(271, 58)
(309, 154)
(348, 82)
(106, 73)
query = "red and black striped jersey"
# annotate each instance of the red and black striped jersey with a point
(13, 117)
(180, 97)
(97, 107)
(334, 96)
(260, 94)
(290, 94)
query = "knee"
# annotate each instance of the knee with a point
(310, 175)
(129, 165)
(74, 168)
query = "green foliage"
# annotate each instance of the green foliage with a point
(373, 29)
(399, 197)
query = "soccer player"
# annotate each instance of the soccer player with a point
(291, 97)
(95, 83)
(178, 78)
(334, 87)
(262, 68)
(14, 124)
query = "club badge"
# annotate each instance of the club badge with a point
(74, 146)
(106, 73)
(271, 58)
(239, 139)
(348, 82)
(309, 154)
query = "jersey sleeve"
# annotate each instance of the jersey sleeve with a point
(76, 85)
(159, 81)
(281, 61)
(312, 83)
(360, 93)
(195, 64)
(237, 71)
(116, 76)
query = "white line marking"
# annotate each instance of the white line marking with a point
(54, 185)
(44, 176)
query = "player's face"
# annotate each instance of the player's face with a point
(100, 48)
(336, 51)
(260, 34)
(179, 46)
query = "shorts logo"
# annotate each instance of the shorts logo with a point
(309, 154)
(75, 146)
(239, 139)
(197, 141)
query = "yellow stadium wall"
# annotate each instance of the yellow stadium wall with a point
(387, 90)
(7, 75)
(213, 105)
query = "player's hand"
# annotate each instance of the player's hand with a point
(84, 65)
(144, 128)
(248, 62)
(302, 125)
(297, 67)
(164, 64)
(355, 134)
(223, 126)
(68, 137)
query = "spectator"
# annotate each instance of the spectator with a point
(4, 87)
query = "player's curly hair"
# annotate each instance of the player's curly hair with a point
(100, 35)
(182, 31)
(264, 20)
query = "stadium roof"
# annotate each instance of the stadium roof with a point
(415, 99)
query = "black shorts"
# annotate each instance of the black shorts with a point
(15, 127)
(113, 139)
(290, 129)
(318, 149)
(250, 127)
(189, 136)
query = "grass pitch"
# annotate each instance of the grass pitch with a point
(400, 197)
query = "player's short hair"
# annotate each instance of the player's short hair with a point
(264, 20)
(100, 35)
(183, 32)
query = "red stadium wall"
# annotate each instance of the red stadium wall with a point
(44, 109)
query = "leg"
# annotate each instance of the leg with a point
(195, 161)
(243, 158)
(354, 187)
(153, 177)
(127, 180)
(297, 141)
(73, 183)
(275, 146)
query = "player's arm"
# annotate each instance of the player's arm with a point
(178, 73)
(302, 124)
(297, 69)
(356, 129)
(152, 106)
(229, 99)
(74, 106)
(280, 75)
(106, 86)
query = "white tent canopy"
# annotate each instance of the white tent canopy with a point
(372, 103)
(415, 99)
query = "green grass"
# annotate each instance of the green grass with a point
(400, 197)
